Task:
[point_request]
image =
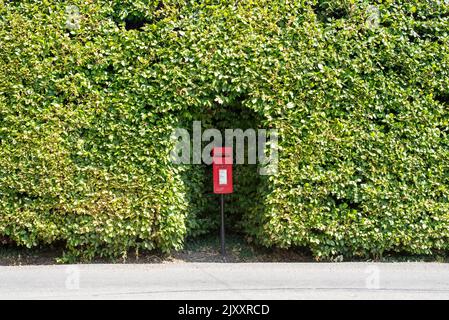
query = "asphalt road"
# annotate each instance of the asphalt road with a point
(227, 281)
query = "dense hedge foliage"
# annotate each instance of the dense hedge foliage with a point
(87, 109)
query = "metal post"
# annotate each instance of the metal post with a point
(222, 233)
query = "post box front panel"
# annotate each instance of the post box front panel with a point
(222, 170)
(222, 178)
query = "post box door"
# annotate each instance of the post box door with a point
(222, 170)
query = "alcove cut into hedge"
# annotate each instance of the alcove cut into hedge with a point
(87, 110)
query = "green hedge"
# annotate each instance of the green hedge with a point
(362, 111)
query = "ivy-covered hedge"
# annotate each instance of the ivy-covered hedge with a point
(87, 108)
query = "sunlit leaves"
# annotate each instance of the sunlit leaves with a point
(362, 111)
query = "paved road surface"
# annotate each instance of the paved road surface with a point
(228, 281)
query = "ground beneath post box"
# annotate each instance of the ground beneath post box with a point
(203, 249)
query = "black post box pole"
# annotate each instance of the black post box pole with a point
(222, 233)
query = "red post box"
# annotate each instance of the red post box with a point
(222, 170)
